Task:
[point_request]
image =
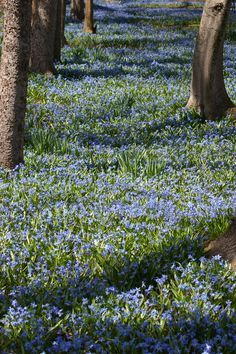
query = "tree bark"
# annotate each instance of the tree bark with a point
(77, 9)
(208, 94)
(88, 20)
(44, 15)
(13, 80)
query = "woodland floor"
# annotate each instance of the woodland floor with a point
(102, 230)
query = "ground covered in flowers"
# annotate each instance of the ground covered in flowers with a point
(102, 230)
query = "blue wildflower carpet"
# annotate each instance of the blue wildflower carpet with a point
(102, 230)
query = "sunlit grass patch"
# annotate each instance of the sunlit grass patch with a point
(181, 5)
(46, 142)
(178, 24)
(140, 163)
(116, 42)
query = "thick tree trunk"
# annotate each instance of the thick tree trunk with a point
(43, 36)
(88, 20)
(77, 9)
(13, 80)
(208, 93)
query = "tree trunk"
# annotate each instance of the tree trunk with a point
(77, 9)
(13, 80)
(59, 32)
(88, 20)
(43, 36)
(208, 93)
(63, 14)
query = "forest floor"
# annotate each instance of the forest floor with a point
(102, 230)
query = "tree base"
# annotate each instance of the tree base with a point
(91, 30)
(224, 245)
(232, 113)
(210, 113)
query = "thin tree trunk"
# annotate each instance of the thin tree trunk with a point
(60, 39)
(13, 80)
(88, 20)
(77, 9)
(208, 93)
(43, 36)
(63, 14)
(58, 32)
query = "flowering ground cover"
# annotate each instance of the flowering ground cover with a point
(102, 230)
